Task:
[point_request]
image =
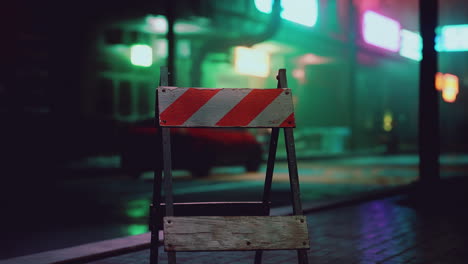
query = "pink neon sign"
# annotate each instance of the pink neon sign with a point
(381, 31)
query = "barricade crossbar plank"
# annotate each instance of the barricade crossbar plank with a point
(214, 233)
(225, 107)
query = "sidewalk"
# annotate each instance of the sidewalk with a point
(400, 229)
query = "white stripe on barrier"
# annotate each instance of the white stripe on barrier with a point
(173, 93)
(217, 107)
(281, 109)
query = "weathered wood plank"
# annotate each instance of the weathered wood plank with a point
(215, 233)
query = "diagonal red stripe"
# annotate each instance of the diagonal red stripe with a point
(289, 122)
(249, 107)
(185, 106)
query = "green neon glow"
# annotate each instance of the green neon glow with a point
(160, 48)
(253, 62)
(304, 12)
(137, 208)
(411, 45)
(157, 23)
(137, 229)
(452, 38)
(141, 55)
(135, 212)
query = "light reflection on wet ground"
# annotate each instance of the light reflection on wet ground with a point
(400, 229)
(112, 205)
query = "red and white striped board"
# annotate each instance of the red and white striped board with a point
(225, 107)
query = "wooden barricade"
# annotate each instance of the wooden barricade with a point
(226, 226)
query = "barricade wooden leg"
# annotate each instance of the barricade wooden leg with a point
(166, 142)
(282, 83)
(155, 215)
(268, 179)
(294, 182)
(270, 166)
(258, 257)
(155, 218)
(293, 175)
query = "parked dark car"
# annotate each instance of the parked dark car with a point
(194, 149)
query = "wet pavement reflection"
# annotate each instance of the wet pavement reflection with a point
(95, 206)
(401, 229)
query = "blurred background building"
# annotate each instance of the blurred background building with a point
(77, 72)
